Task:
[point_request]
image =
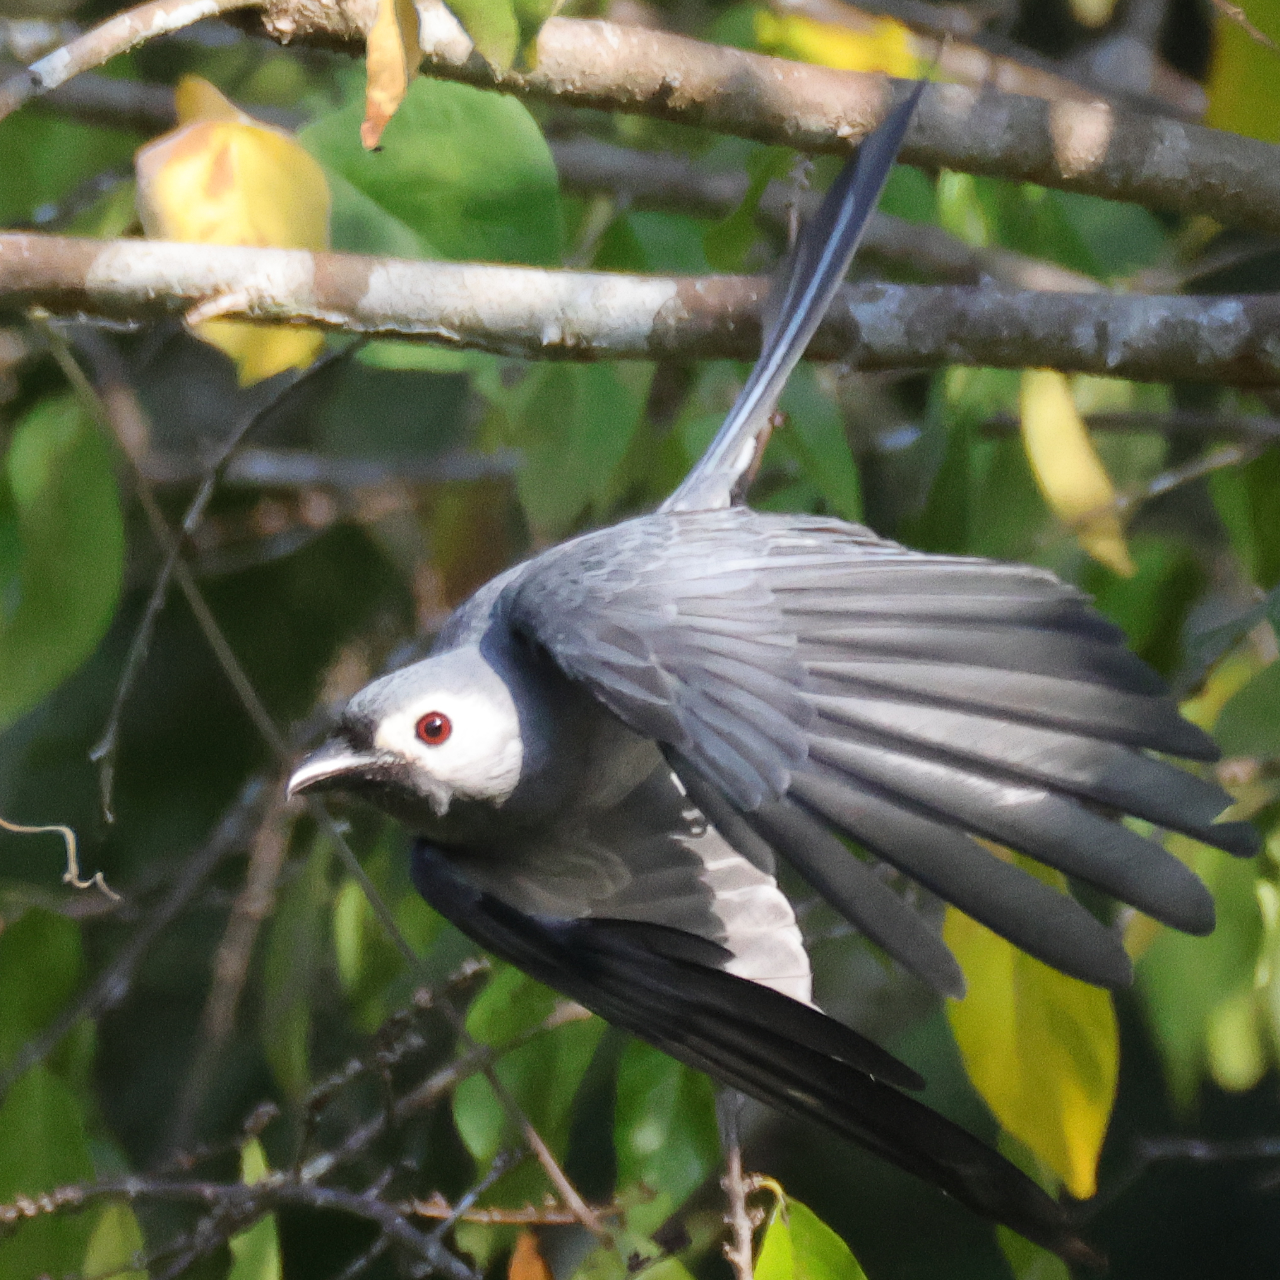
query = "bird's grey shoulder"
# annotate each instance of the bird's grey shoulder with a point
(470, 621)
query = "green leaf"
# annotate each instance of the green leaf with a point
(1249, 723)
(255, 1250)
(42, 1146)
(543, 1076)
(41, 965)
(493, 25)
(294, 953)
(46, 156)
(1040, 1047)
(815, 435)
(465, 172)
(116, 1241)
(1029, 1261)
(664, 1134)
(798, 1245)
(727, 242)
(1242, 75)
(61, 552)
(574, 423)
(1246, 501)
(1183, 980)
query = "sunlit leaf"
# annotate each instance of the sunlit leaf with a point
(1068, 470)
(223, 178)
(1236, 1054)
(61, 551)
(882, 44)
(1183, 981)
(526, 1262)
(468, 173)
(798, 1245)
(116, 1241)
(392, 56)
(494, 27)
(1041, 1048)
(256, 1250)
(1242, 74)
(1092, 13)
(664, 1134)
(42, 1146)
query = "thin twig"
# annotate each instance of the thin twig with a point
(244, 1203)
(738, 1248)
(118, 34)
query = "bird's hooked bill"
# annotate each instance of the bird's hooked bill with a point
(326, 766)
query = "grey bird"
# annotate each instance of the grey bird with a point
(613, 743)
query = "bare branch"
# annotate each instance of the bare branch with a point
(1078, 146)
(241, 1204)
(533, 313)
(118, 34)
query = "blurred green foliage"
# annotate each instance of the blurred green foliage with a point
(320, 583)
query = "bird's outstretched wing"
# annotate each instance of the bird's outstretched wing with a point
(814, 682)
(666, 987)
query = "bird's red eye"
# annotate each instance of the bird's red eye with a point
(434, 728)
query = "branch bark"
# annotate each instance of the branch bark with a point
(529, 312)
(1093, 147)
(1078, 146)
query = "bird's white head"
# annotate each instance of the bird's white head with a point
(444, 729)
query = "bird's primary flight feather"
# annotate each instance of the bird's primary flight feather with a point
(614, 742)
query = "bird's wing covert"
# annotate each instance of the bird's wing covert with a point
(830, 684)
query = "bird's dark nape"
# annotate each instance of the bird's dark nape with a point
(662, 985)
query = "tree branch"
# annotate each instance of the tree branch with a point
(1092, 147)
(1077, 146)
(118, 34)
(533, 313)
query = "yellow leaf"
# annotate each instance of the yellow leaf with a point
(1068, 470)
(526, 1262)
(1041, 1048)
(195, 99)
(116, 1241)
(392, 56)
(1092, 13)
(223, 178)
(1242, 74)
(881, 45)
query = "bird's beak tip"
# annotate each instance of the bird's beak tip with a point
(324, 768)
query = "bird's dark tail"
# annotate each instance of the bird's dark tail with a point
(795, 307)
(664, 986)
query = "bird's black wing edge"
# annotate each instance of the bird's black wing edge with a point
(660, 985)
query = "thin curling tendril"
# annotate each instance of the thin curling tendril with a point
(72, 874)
